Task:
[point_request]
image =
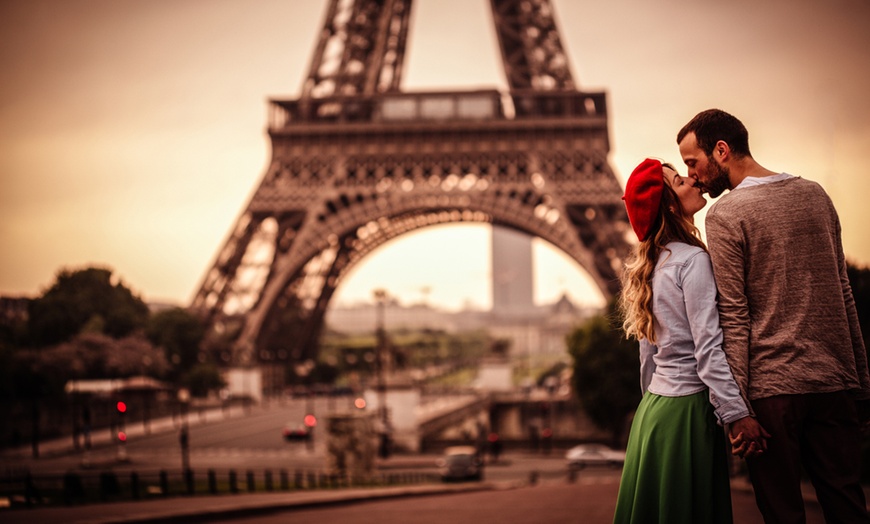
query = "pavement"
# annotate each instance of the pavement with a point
(207, 508)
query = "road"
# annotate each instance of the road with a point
(251, 439)
(254, 442)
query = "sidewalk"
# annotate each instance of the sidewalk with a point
(207, 508)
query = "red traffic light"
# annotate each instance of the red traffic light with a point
(310, 421)
(122, 407)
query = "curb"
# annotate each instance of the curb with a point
(208, 508)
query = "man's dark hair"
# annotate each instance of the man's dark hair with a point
(713, 125)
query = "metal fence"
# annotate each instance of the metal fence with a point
(21, 489)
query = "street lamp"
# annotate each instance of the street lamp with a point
(184, 435)
(304, 370)
(381, 340)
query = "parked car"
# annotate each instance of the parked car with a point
(296, 432)
(585, 455)
(460, 463)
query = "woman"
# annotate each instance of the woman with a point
(676, 465)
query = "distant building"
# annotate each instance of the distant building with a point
(362, 318)
(512, 274)
(539, 332)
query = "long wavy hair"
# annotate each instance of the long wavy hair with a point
(635, 300)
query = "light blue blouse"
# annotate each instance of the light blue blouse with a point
(688, 356)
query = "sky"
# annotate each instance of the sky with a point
(133, 134)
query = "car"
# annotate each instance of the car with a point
(460, 463)
(296, 432)
(585, 455)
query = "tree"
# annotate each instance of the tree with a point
(859, 279)
(606, 375)
(84, 300)
(97, 356)
(203, 378)
(180, 334)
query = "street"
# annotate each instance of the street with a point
(523, 486)
(253, 441)
(529, 487)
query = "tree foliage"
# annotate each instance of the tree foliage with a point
(180, 334)
(606, 375)
(203, 378)
(85, 300)
(859, 279)
(97, 356)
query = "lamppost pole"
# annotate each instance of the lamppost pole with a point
(184, 435)
(380, 298)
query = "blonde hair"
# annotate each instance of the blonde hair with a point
(635, 300)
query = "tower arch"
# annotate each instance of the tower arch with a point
(356, 162)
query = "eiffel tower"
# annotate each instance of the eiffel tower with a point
(357, 162)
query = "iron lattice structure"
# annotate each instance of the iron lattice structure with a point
(357, 162)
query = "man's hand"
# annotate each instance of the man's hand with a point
(748, 438)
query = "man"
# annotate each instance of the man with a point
(789, 321)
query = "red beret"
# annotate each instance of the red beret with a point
(643, 194)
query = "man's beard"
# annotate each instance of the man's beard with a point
(718, 179)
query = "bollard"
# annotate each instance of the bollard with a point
(164, 483)
(297, 479)
(188, 480)
(31, 494)
(267, 479)
(252, 486)
(234, 481)
(212, 482)
(73, 489)
(572, 475)
(285, 480)
(109, 486)
(134, 485)
(533, 478)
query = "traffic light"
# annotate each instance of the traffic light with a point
(310, 421)
(121, 407)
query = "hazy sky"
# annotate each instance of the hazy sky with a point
(133, 133)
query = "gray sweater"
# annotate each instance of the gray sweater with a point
(786, 306)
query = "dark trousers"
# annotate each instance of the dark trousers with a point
(821, 432)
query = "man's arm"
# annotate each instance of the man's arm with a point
(726, 245)
(852, 313)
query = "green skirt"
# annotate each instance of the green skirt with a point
(676, 468)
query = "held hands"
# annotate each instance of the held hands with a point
(748, 438)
